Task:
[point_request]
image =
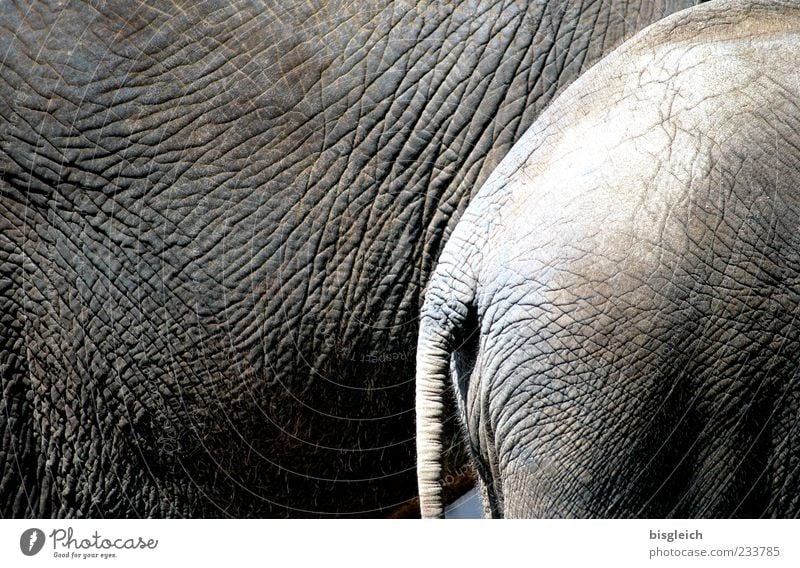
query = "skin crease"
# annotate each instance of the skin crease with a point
(216, 222)
(620, 298)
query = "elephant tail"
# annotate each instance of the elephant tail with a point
(443, 314)
(433, 360)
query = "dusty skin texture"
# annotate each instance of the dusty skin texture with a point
(620, 299)
(216, 220)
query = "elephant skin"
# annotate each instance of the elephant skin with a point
(616, 309)
(216, 222)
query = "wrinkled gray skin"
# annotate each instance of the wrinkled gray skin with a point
(216, 221)
(619, 301)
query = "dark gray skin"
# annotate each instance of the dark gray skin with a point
(216, 221)
(619, 301)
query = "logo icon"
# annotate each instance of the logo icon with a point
(31, 541)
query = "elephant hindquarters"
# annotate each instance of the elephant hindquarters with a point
(639, 283)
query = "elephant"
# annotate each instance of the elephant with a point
(216, 223)
(615, 311)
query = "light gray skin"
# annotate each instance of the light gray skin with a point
(617, 307)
